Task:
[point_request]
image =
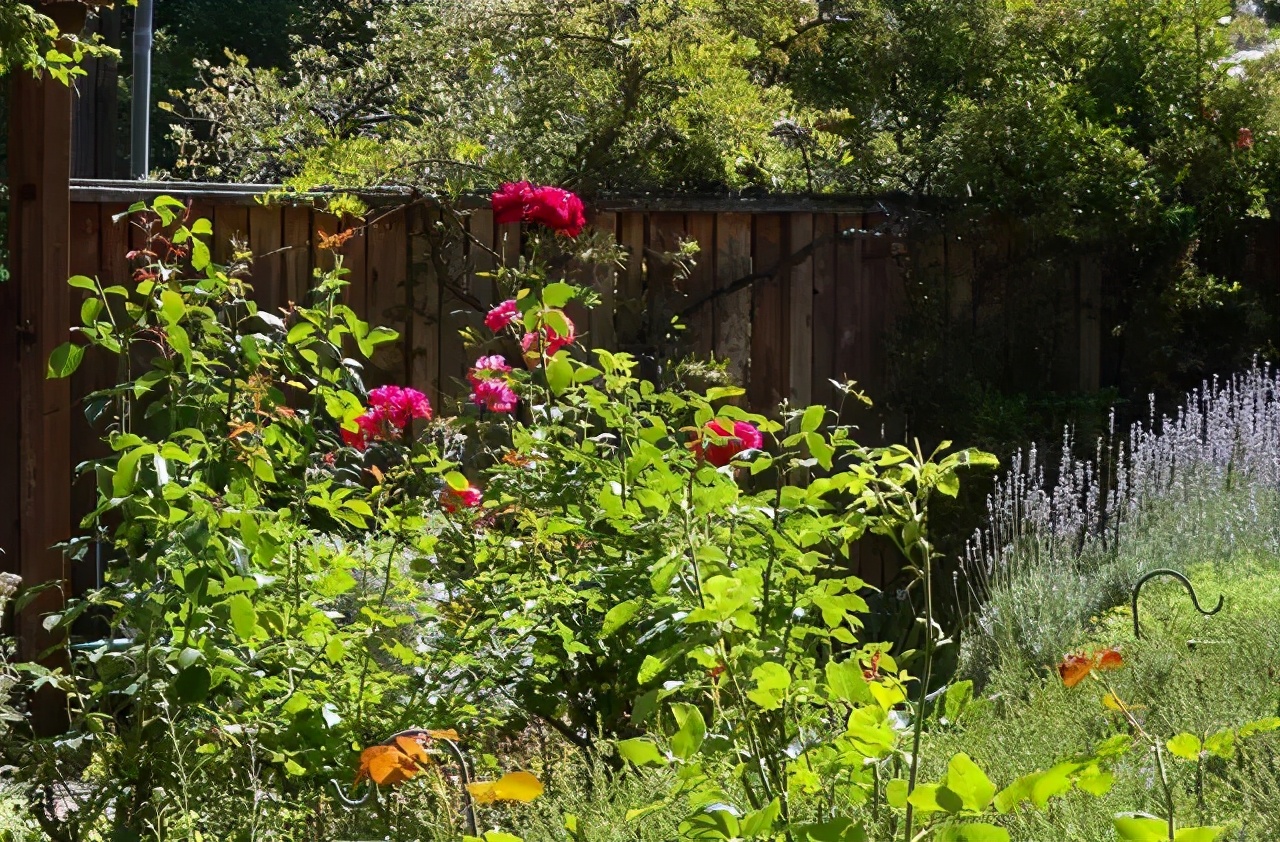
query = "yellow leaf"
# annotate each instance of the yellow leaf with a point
(447, 734)
(1112, 702)
(514, 786)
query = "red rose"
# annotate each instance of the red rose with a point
(511, 202)
(744, 436)
(559, 210)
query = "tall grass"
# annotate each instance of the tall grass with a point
(1059, 547)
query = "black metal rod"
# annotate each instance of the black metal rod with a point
(140, 113)
(1186, 583)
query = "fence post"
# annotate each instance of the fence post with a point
(35, 428)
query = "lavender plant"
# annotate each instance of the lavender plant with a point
(1200, 485)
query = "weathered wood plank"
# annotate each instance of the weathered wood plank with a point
(701, 284)
(230, 230)
(604, 279)
(769, 344)
(629, 320)
(421, 336)
(388, 305)
(733, 309)
(849, 313)
(666, 230)
(800, 328)
(824, 309)
(448, 270)
(266, 229)
(297, 253)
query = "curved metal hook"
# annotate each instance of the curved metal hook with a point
(1186, 583)
(342, 796)
(468, 807)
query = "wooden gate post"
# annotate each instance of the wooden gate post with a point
(35, 421)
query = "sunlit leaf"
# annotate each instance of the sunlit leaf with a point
(1185, 746)
(513, 786)
(1136, 828)
(413, 750)
(971, 833)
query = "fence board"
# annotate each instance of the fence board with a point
(420, 335)
(604, 279)
(265, 231)
(230, 225)
(630, 301)
(388, 276)
(296, 243)
(848, 293)
(824, 308)
(800, 328)
(701, 284)
(769, 303)
(733, 309)
(448, 270)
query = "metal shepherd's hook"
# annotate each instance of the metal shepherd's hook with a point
(1186, 583)
(468, 807)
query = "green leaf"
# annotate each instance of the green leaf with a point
(244, 619)
(650, 668)
(760, 823)
(1222, 744)
(559, 373)
(895, 793)
(967, 780)
(772, 681)
(934, 798)
(1184, 746)
(334, 649)
(971, 833)
(835, 830)
(202, 226)
(1260, 726)
(693, 729)
(199, 255)
(957, 700)
(812, 418)
(172, 307)
(641, 752)
(456, 481)
(192, 685)
(126, 475)
(846, 683)
(82, 282)
(558, 294)
(617, 617)
(1198, 834)
(1135, 828)
(64, 360)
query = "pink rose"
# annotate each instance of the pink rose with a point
(400, 405)
(495, 395)
(470, 498)
(502, 315)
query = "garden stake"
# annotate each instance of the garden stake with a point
(1186, 583)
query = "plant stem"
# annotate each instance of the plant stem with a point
(924, 689)
(1168, 791)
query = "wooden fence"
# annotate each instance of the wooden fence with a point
(792, 295)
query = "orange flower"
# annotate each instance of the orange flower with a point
(1108, 659)
(1075, 666)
